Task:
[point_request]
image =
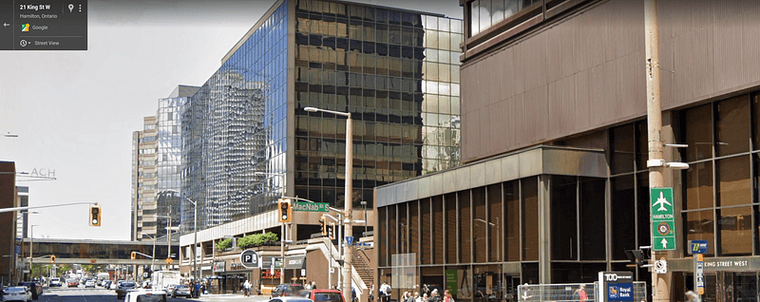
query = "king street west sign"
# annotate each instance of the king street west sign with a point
(663, 219)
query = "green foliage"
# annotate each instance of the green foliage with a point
(257, 240)
(224, 244)
(64, 269)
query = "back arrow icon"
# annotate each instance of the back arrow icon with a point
(6, 24)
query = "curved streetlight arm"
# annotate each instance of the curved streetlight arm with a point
(5, 210)
(314, 109)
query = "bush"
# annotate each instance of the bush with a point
(224, 244)
(257, 240)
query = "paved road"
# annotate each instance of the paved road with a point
(99, 294)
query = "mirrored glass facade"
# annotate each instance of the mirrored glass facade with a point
(235, 126)
(397, 72)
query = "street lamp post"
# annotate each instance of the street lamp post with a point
(282, 226)
(364, 208)
(31, 249)
(152, 260)
(195, 235)
(348, 196)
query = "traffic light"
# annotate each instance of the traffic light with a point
(95, 216)
(52, 259)
(636, 257)
(331, 231)
(134, 255)
(323, 226)
(285, 210)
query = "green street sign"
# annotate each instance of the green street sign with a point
(310, 206)
(663, 219)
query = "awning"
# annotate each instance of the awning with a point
(295, 262)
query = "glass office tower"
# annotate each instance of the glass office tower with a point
(396, 71)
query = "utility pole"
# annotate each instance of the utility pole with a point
(660, 282)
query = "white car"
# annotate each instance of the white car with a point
(58, 282)
(17, 293)
(89, 283)
(145, 296)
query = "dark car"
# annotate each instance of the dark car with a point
(123, 287)
(286, 290)
(34, 286)
(181, 290)
(322, 295)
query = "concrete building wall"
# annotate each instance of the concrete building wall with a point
(586, 70)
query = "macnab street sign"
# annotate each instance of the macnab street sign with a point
(663, 219)
(310, 206)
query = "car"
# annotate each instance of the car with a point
(169, 289)
(56, 282)
(290, 299)
(72, 283)
(181, 290)
(286, 290)
(322, 295)
(123, 287)
(143, 295)
(33, 284)
(17, 293)
(89, 283)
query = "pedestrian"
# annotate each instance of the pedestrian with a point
(247, 288)
(580, 293)
(313, 284)
(447, 296)
(385, 292)
(434, 296)
(692, 297)
(424, 298)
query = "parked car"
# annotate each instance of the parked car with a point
(322, 295)
(89, 283)
(17, 293)
(56, 282)
(286, 290)
(143, 295)
(123, 287)
(181, 290)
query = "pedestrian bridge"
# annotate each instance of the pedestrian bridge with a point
(78, 251)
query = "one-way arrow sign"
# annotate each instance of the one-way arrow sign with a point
(664, 244)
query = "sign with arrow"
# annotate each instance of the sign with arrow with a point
(663, 219)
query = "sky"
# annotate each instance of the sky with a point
(75, 111)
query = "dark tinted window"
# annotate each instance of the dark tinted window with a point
(332, 297)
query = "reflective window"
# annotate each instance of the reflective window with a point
(699, 226)
(732, 125)
(529, 193)
(735, 225)
(699, 186)
(698, 122)
(734, 185)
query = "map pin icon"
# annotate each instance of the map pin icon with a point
(71, 7)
